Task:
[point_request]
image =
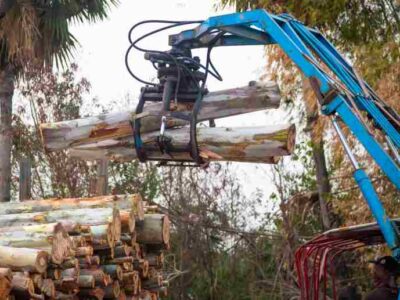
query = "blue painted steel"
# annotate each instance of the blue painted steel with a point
(376, 207)
(305, 47)
(387, 164)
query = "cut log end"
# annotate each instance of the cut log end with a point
(166, 230)
(62, 245)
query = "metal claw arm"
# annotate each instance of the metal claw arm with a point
(341, 93)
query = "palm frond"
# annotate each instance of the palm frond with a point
(39, 30)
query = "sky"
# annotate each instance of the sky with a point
(101, 61)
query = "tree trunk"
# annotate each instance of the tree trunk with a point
(316, 127)
(215, 105)
(7, 78)
(24, 179)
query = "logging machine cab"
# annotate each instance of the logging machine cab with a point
(344, 97)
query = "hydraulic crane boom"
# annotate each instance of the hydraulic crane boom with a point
(342, 94)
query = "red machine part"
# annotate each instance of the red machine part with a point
(314, 260)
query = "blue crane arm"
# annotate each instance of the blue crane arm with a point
(340, 91)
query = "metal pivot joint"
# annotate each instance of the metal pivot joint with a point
(178, 89)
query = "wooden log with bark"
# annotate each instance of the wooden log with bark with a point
(122, 202)
(262, 144)
(98, 265)
(5, 282)
(23, 259)
(84, 216)
(67, 134)
(56, 243)
(155, 230)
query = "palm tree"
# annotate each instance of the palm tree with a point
(35, 33)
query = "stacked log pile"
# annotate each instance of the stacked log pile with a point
(109, 136)
(106, 247)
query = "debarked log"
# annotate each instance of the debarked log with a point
(67, 134)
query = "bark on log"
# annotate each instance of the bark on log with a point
(86, 281)
(57, 243)
(112, 291)
(155, 230)
(99, 276)
(70, 227)
(103, 235)
(84, 216)
(123, 202)
(67, 134)
(22, 287)
(23, 259)
(96, 293)
(5, 282)
(48, 288)
(263, 144)
(115, 271)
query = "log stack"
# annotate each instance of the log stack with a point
(110, 136)
(106, 247)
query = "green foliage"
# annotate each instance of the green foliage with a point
(133, 177)
(38, 31)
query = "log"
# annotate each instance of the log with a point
(56, 243)
(70, 227)
(67, 134)
(23, 259)
(122, 251)
(103, 235)
(142, 266)
(84, 251)
(131, 282)
(99, 276)
(54, 273)
(67, 285)
(84, 216)
(122, 202)
(89, 261)
(86, 281)
(127, 221)
(70, 273)
(48, 288)
(115, 271)
(37, 282)
(22, 287)
(262, 144)
(155, 260)
(96, 293)
(155, 230)
(5, 282)
(70, 263)
(112, 291)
